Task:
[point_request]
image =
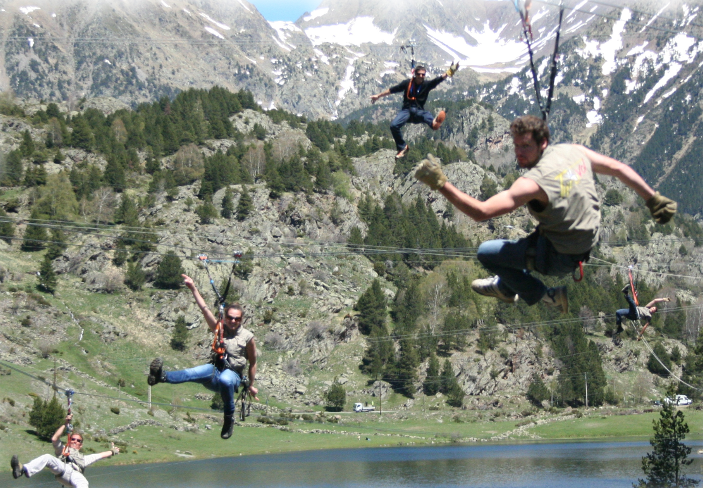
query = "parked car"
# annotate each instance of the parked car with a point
(678, 400)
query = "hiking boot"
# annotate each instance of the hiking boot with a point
(626, 289)
(156, 373)
(437, 122)
(402, 152)
(17, 468)
(556, 297)
(488, 287)
(227, 427)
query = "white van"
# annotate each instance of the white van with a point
(679, 400)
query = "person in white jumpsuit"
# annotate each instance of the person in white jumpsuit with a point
(69, 463)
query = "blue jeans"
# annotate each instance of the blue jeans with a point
(508, 260)
(630, 313)
(225, 382)
(413, 115)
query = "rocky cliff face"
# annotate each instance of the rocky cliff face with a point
(303, 284)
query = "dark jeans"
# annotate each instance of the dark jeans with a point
(630, 313)
(225, 383)
(413, 115)
(508, 260)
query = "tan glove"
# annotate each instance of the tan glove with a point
(452, 69)
(429, 171)
(115, 450)
(661, 208)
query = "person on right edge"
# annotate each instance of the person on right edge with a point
(559, 192)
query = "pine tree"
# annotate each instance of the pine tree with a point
(336, 397)
(207, 212)
(664, 465)
(537, 392)
(168, 274)
(46, 417)
(35, 236)
(120, 253)
(58, 244)
(227, 204)
(432, 381)
(14, 171)
(135, 277)
(127, 213)
(27, 144)
(245, 205)
(654, 366)
(7, 227)
(47, 276)
(372, 308)
(114, 175)
(179, 338)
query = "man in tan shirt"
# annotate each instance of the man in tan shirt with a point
(225, 374)
(559, 192)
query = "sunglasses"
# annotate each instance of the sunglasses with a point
(76, 439)
(233, 318)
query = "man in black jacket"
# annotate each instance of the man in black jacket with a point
(415, 91)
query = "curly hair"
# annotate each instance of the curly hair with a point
(533, 125)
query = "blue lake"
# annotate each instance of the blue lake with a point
(544, 465)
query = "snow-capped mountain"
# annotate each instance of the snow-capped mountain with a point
(324, 65)
(628, 80)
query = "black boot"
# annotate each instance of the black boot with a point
(156, 373)
(626, 289)
(17, 468)
(227, 427)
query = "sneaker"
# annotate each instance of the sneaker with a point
(437, 122)
(402, 152)
(626, 289)
(488, 287)
(227, 427)
(156, 373)
(17, 468)
(556, 297)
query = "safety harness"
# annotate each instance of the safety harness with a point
(544, 107)
(219, 356)
(71, 456)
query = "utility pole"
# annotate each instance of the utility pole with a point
(585, 377)
(54, 385)
(380, 399)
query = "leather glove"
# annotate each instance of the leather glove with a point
(452, 69)
(429, 171)
(661, 208)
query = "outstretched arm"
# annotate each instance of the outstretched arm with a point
(251, 356)
(209, 317)
(91, 458)
(605, 165)
(384, 93)
(59, 432)
(521, 192)
(657, 300)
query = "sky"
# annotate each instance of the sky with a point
(284, 9)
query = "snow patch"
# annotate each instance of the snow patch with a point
(187, 11)
(30, 41)
(609, 48)
(218, 24)
(165, 4)
(28, 10)
(282, 28)
(655, 17)
(108, 62)
(244, 5)
(347, 84)
(593, 116)
(579, 98)
(315, 14)
(322, 56)
(360, 30)
(214, 32)
(670, 73)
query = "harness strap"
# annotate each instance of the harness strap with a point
(580, 275)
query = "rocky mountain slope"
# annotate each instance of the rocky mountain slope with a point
(301, 291)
